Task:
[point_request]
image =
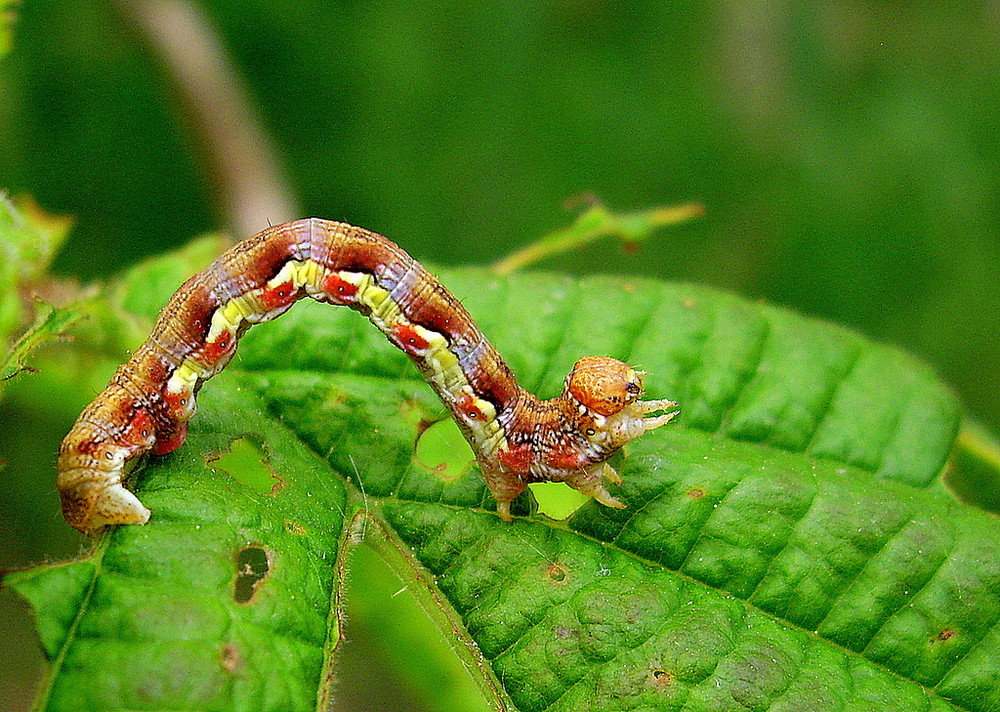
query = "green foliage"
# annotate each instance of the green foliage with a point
(28, 242)
(789, 545)
(7, 17)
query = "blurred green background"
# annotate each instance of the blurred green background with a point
(846, 152)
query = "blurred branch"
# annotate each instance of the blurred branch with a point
(239, 156)
(596, 222)
(979, 443)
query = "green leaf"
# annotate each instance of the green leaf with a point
(790, 545)
(49, 323)
(28, 241)
(160, 613)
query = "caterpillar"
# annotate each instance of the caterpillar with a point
(517, 438)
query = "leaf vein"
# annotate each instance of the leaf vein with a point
(704, 524)
(552, 353)
(909, 598)
(826, 408)
(748, 376)
(788, 542)
(847, 586)
(647, 319)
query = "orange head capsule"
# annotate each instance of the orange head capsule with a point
(604, 385)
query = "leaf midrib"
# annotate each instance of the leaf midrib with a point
(95, 557)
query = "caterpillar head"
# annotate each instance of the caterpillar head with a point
(603, 385)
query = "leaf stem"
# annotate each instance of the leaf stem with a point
(596, 222)
(979, 443)
(337, 617)
(49, 323)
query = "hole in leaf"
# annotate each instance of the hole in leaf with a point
(557, 500)
(252, 566)
(660, 678)
(442, 450)
(246, 462)
(387, 620)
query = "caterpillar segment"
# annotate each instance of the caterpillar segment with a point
(517, 438)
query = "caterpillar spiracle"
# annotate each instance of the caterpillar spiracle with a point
(517, 438)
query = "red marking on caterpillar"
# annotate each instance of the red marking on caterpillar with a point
(340, 290)
(567, 438)
(214, 350)
(176, 403)
(87, 446)
(517, 459)
(140, 432)
(467, 406)
(170, 442)
(566, 457)
(407, 338)
(279, 296)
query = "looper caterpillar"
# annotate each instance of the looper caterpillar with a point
(517, 438)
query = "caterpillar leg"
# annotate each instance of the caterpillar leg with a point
(611, 474)
(505, 487)
(590, 481)
(651, 406)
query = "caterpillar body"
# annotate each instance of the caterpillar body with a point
(517, 438)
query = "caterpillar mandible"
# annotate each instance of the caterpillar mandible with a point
(517, 438)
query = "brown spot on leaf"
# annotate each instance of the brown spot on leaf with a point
(229, 658)
(294, 528)
(556, 573)
(660, 678)
(252, 566)
(695, 493)
(946, 634)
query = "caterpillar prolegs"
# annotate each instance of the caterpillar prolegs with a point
(517, 438)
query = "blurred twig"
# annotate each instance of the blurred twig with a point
(596, 222)
(978, 442)
(238, 153)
